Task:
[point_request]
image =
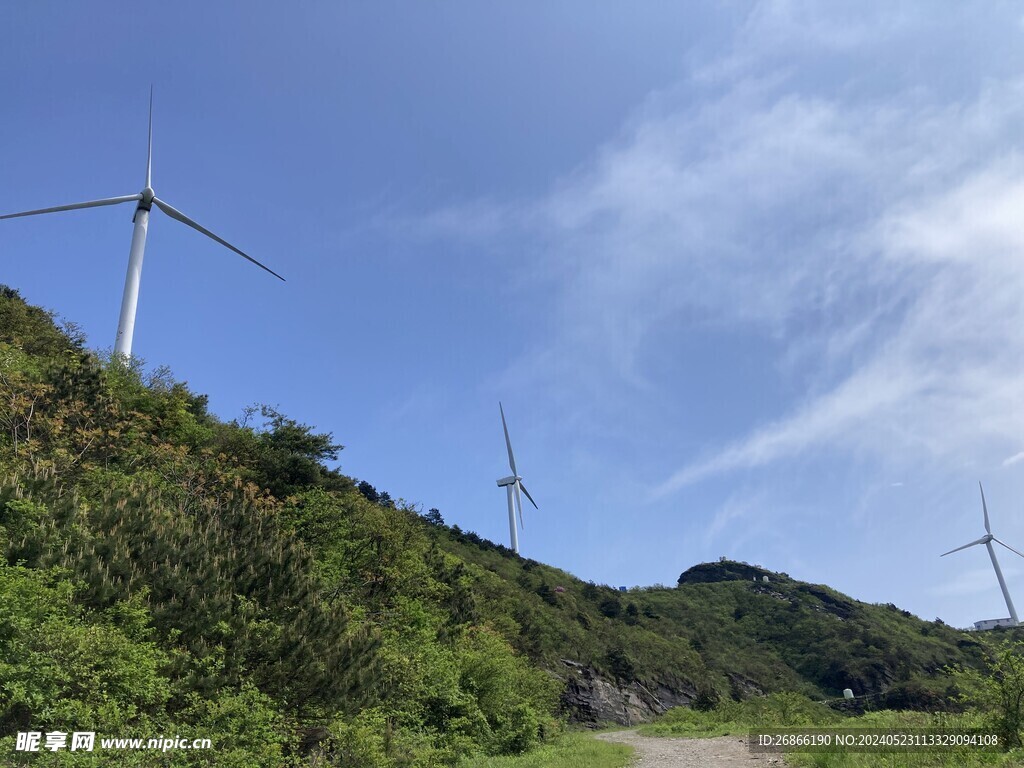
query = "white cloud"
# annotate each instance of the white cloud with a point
(1011, 460)
(946, 378)
(847, 410)
(871, 230)
(978, 220)
(942, 375)
(778, 31)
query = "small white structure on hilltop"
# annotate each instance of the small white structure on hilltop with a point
(993, 623)
(987, 540)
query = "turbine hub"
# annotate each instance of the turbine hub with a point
(146, 203)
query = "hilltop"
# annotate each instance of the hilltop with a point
(168, 571)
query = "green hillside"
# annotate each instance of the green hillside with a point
(722, 633)
(167, 572)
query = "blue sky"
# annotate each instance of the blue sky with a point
(747, 276)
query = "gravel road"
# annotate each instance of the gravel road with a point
(721, 752)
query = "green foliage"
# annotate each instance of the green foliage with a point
(364, 742)
(998, 690)
(611, 607)
(31, 329)
(433, 516)
(21, 521)
(620, 664)
(513, 698)
(60, 664)
(570, 750)
(290, 456)
(728, 717)
(243, 724)
(707, 698)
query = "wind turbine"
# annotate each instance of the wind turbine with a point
(987, 540)
(513, 484)
(146, 199)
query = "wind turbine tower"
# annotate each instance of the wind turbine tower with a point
(513, 484)
(145, 200)
(987, 540)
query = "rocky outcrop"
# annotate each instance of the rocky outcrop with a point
(591, 699)
(729, 570)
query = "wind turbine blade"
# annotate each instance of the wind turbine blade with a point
(529, 496)
(965, 546)
(984, 506)
(519, 505)
(76, 206)
(149, 154)
(176, 214)
(1008, 547)
(508, 443)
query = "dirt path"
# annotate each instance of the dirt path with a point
(721, 752)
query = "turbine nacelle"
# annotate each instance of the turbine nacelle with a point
(510, 480)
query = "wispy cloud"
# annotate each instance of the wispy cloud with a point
(870, 230)
(816, 224)
(972, 582)
(1011, 460)
(943, 378)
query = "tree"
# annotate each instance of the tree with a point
(610, 607)
(998, 691)
(291, 455)
(620, 663)
(433, 516)
(368, 491)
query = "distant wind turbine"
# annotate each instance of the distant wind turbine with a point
(987, 540)
(146, 199)
(513, 485)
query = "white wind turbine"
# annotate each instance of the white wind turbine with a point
(146, 199)
(513, 484)
(987, 540)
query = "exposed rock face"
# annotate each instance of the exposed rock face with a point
(741, 687)
(835, 604)
(729, 570)
(591, 699)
